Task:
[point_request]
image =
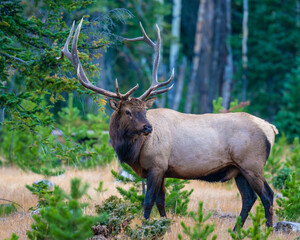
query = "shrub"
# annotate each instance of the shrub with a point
(119, 214)
(63, 218)
(177, 199)
(150, 229)
(283, 174)
(14, 236)
(257, 231)
(289, 205)
(200, 231)
(42, 191)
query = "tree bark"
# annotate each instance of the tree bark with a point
(196, 58)
(245, 49)
(175, 45)
(179, 86)
(229, 61)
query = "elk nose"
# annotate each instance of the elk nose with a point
(147, 129)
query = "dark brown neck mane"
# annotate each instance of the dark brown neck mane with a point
(127, 145)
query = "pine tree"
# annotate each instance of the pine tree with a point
(288, 118)
(63, 218)
(199, 230)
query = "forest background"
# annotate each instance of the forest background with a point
(235, 55)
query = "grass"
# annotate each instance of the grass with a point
(222, 200)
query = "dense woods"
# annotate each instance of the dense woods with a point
(228, 55)
(229, 49)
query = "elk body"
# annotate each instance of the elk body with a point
(162, 143)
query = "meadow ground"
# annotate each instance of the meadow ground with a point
(222, 200)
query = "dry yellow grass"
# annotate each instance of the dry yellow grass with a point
(220, 199)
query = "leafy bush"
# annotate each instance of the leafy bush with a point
(150, 229)
(120, 214)
(63, 218)
(289, 205)
(281, 176)
(200, 231)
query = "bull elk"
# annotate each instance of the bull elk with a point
(162, 143)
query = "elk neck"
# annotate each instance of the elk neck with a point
(127, 145)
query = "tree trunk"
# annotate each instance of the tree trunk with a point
(244, 49)
(210, 56)
(174, 48)
(229, 61)
(179, 86)
(196, 58)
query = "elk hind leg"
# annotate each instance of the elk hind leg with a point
(248, 197)
(265, 193)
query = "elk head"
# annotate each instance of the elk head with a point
(129, 112)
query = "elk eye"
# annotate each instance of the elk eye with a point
(128, 113)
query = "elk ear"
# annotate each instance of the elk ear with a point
(149, 102)
(114, 104)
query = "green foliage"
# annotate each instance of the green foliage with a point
(63, 218)
(100, 188)
(234, 106)
(136, 193)
(282, 175)
(288, 118)
(14, 236)
(42, 191)
(268, 61)
(81, 143)
(293, 161)
(176, 199)
(239, 232)
(289, 204)
(150, 229)
(119, 214)
(7, 209)
(217, 105)
(200, 230)
(274, 162)
(257, 231)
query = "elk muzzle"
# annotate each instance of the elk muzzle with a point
(147, 129)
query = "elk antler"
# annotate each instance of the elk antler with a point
(155, 84)
(73, 57)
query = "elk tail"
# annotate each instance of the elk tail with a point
(274, 129)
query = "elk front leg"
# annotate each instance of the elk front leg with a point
(154, 182)
(160, 199)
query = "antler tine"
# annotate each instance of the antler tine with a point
(73, 57)
(155, 84)
(144, 38)
(65, 50)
